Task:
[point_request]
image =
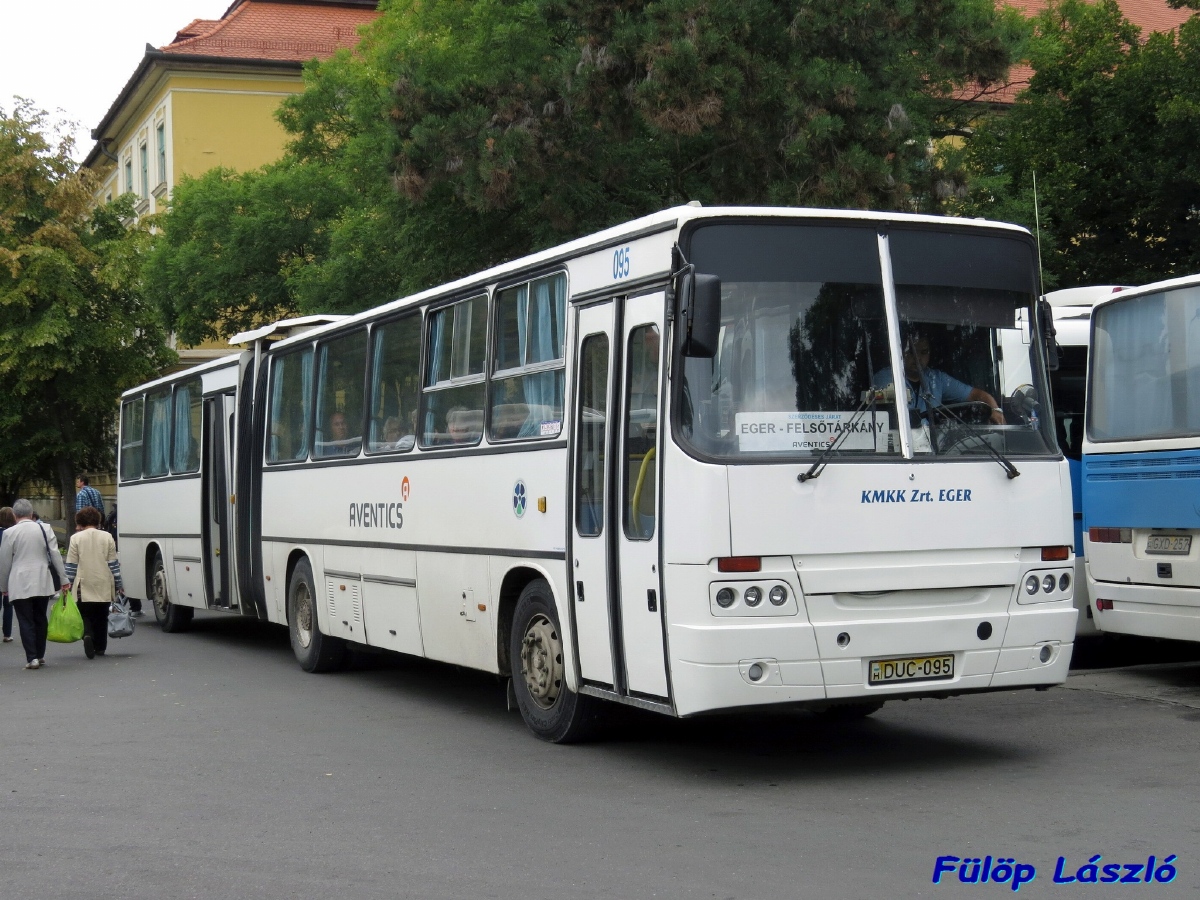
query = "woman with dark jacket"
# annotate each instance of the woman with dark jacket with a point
(7, 520)
(95, 574)
(28, 550)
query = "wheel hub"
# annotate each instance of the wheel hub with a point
(541, 661)
(304, 615)
(159, 587)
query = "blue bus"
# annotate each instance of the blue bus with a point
(1141, 462)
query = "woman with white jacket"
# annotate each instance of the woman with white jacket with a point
(25, 577)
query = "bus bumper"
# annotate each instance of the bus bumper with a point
(1147, 610)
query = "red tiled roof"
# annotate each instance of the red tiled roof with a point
(1148, 15)
(274, 31)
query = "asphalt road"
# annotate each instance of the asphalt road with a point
(208, 764)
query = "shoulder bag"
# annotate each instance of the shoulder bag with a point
(49, 562)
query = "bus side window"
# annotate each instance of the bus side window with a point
(185, 454)
(395, 369)
(339, 419)
(158, 433)
(291, 387)
(131, 439)
(528, 371)
(452, 413)
(641, 433)
(593, 418)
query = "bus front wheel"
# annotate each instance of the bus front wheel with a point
(170, 616)
(316, 652)
(552, 710)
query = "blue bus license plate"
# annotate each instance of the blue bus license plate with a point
(912, 668)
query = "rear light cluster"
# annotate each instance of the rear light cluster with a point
(1102, 604)
(748, 599)
(1110, 535)
(1043, 586)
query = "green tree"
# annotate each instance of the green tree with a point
(74, 329)
(1110, 126)
(462, 133)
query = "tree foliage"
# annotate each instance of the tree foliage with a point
(74, 329)
(465, 132)
(1110, 125)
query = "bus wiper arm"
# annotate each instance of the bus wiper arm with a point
(869, 399)
(1009, 469)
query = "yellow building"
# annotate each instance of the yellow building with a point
(209, 98)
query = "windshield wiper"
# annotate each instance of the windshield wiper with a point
(1009, 469)
(869, 399)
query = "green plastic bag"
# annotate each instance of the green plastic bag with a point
(66, 624)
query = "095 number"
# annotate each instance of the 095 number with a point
(621, 263)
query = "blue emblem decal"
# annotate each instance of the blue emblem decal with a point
(519, 499)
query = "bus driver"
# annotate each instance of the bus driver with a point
(931, 388)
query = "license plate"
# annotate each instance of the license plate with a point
(912, 668)
(1169, 544)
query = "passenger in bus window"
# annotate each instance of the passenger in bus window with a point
(394, 437)
(338, 441)
(464, 425)
(930, 388)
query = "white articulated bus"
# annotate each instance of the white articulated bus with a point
(665, 465)
(1141, 459)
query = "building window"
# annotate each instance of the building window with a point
(144, 158)
(129, 175)
(161, 137)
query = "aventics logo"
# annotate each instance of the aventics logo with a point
(519, 499)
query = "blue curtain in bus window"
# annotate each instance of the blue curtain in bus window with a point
(542, 341)
(306, 383)
(438, 360)
(159, 453)
(183, 430)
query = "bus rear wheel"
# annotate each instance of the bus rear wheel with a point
(552, 710)
(171, 617)
(316, 652)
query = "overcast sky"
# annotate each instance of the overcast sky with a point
(72, 57)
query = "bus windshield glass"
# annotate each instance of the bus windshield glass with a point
(1146, 367)
(805, 346)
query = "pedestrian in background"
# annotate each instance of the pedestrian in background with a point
(7, 520)
(27, 553)
(86, 495)
(95, 574)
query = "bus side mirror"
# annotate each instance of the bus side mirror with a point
(700, 313)
(1049, 334)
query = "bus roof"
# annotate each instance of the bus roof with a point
(1155, 287)
(210, 366)
(1084, 296)
(665, 219)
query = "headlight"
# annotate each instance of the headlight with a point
(1048, 583)
(1032, 583)
(1064, 583)
(725, 597)
(753, 596)
(778, 595)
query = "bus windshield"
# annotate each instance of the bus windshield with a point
(805, 341)
(1146, 367)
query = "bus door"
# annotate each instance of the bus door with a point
(615, 534)
(217, 481)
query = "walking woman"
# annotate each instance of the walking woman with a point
(93, 570)
(27, 552)
(7, 520)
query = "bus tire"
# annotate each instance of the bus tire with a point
(316, 652)
(551, 710)
(850, 712)
(171, 617)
